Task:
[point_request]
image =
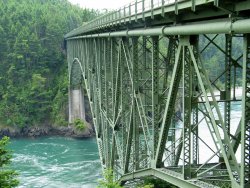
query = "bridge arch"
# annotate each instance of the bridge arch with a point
(76, 91)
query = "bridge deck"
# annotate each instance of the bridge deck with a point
(156, 12)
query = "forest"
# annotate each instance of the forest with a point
(33, 68)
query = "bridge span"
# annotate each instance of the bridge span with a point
(157, 109)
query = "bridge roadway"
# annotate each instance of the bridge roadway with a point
(161, 106)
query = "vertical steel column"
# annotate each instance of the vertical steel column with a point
(128, 114)
(113, 72)
(112, 75)
(99, 83)
(92, 84)
(116, 53)
(173, 143)
(245, 126)
(123, 88)
(142, 91)
(118, 127)
(128, 48)
(187, 108)
(144, 51)
(87, 46)
(146, 94)
(168, 111)
(155, 90)
(170, 61)
(195, 130)
(195, 127)
(96, 96)
(107, 96)
(90, 69)
(103, 100)
(136, 135)
(228, 63)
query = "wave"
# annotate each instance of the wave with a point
(56, 162)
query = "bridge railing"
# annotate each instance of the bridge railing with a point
(125, 14)
(129, 10)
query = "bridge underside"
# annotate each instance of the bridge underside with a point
(162, 104)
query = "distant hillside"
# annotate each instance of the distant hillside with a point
(33, 68)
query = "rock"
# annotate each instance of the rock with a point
(37, 131)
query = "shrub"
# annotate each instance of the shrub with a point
(108, 181)
(7, 176)
(79, 124)
(155, 183)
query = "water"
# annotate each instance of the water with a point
(204, 152)
(58, 162)
(54, 162)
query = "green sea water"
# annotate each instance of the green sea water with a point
(56, 162)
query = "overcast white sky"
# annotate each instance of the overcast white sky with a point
(101, 4)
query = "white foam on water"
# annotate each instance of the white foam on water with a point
(204, 152)
(56, 165)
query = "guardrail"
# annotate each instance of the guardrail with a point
(129, 10)
(126, 12)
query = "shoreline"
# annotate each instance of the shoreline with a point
(40, 131)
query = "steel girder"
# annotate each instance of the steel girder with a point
(165, 13)
(151, 100)
(245, 123)
(156, 108)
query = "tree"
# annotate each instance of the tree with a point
(33, 67)
(7, 176)
(108, 181)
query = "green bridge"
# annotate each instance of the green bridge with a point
(156, 110)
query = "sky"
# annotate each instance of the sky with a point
(101, 4)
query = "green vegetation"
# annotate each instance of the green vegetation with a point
(7, 176)
(156, 183)
(108, 181)
(33, 68)
(150, 182)
(79, 124)
(147, 186)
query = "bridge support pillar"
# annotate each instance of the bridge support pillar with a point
(76, 104)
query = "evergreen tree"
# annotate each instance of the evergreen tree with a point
(33, 67)
(7, 176)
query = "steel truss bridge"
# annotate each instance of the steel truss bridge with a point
(157, 110)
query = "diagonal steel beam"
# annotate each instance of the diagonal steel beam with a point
(168, 112)
(220, 143)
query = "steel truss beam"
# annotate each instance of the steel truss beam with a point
(228, 65)
(165, 175)
(245, 123)
(150, 97)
